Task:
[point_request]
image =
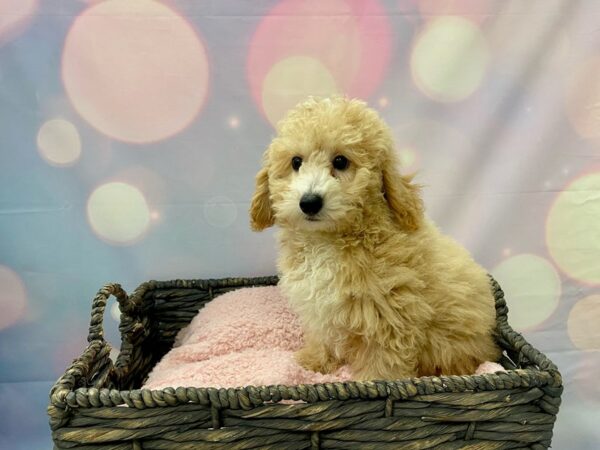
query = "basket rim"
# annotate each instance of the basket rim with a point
(248, 397)
(63, 395)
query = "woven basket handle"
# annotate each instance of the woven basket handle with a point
(99, 305)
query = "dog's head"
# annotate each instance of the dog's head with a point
(332, 161)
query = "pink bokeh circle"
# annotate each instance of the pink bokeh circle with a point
(13, 297)
(135, 70)
(350, 39)
(15, 16)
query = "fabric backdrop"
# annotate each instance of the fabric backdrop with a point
(131, 131)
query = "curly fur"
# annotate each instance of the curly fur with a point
(375, 284)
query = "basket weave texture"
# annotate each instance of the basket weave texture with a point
(515, 409)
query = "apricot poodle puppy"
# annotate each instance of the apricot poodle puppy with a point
(375, 284)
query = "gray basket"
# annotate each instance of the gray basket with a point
(515, 409)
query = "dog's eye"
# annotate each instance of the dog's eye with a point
(296, 163)
(340, 162)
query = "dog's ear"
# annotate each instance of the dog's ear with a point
(261, 212)
(403, 197)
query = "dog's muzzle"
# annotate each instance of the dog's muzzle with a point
(311, 204)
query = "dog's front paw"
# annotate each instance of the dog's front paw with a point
(308, 360)
(314, 360)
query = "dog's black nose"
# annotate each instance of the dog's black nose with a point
(311, 204)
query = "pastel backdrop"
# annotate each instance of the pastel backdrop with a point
(131, 130)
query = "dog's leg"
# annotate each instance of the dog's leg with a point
(316, 356)
(462, 356)
(376, 362)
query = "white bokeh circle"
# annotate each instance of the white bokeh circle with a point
(532, 288)
(118, 213)
(220, 211)
(59, 142)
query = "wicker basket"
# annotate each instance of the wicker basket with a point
(516, 409)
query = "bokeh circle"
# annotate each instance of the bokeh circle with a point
(59, 143)
(135, 70)
(408, 158)
(15, 16)
(532, 287)
(449, 59)
(13, 297)
(290, 81)
(311, 47)
(220, 211)
(583, 323)
(118, 213)
(573, 230)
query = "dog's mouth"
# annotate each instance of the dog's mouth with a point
(312, 219)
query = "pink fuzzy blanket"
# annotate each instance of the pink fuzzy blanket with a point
(244, 337)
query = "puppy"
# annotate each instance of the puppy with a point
(376, 285)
